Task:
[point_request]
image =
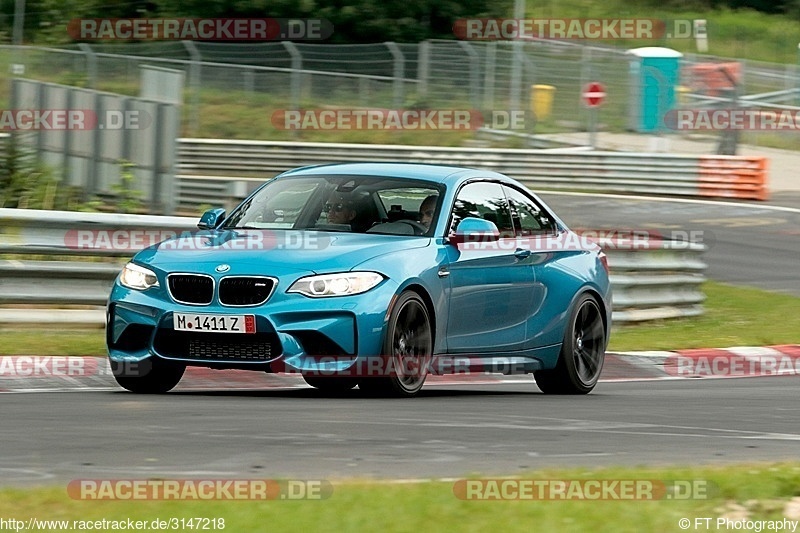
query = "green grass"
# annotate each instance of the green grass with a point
(761, 489)
(55, 341)
(734, 316)
(741, 33)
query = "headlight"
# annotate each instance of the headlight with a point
(136, 277)
(343, 284)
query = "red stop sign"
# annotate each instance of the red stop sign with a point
(594, 94)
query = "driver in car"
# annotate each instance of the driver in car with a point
(339, 209)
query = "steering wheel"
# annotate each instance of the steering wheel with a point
(419, 229)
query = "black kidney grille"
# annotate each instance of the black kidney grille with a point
(245, 290)
(191, 288)
(216, 346)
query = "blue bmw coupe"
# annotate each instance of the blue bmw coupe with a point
(368, 275)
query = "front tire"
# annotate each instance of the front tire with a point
(408, 345)
(151, 376)
(582, 352)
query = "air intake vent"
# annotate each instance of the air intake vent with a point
(216, 347)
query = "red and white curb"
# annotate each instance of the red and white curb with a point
(735, 362)
(76, 373)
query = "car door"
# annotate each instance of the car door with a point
(491, 283)
(536, 231)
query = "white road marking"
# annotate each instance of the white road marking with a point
(674, 200)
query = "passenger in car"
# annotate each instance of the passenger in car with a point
(426, 210)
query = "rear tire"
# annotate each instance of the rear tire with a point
(151, 376)
(408, 345)
(582, 352)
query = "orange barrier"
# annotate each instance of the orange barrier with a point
(712, 79)
(733, 177)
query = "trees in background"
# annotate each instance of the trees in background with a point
(356, 21)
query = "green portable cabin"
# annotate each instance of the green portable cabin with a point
(654, 77)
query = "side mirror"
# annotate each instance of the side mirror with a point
(473, 229)
(211, 218)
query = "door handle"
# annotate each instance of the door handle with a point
(522, 253)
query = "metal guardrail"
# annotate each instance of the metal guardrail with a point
(222, 172)
(38, 232)
(649, 283)
(657, 283)
(206, 166)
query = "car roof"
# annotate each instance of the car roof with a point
(445, 174)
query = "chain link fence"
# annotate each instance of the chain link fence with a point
(232, 90)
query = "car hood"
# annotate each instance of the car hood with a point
(250, 251)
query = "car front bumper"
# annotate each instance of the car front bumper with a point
(294, 333)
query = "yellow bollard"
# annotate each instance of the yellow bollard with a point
(682, 91)
(542, 100)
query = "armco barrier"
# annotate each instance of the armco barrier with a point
(221, 172)
(733, 176)
(657, 283)
(207, 166)
(648, 282)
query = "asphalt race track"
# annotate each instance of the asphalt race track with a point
(747, 244)
(448, 431)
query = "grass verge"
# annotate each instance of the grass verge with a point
(40, 341)
(735, 316)
(751, 492)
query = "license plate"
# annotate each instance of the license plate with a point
(214, 323)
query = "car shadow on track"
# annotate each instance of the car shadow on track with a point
(352, 395)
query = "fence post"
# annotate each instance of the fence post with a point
(91, 64)
(93, 168)
(797, 74)
(474, 98)
(516, 65)
(363, 91)
(249, 81)
(587, 75)
(488, 75)
(399, 73)
(195, 80)
(423, 64)
(296, 82)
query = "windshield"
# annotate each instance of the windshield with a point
(357, 204)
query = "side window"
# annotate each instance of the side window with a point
(483, 200)
(529, 218)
